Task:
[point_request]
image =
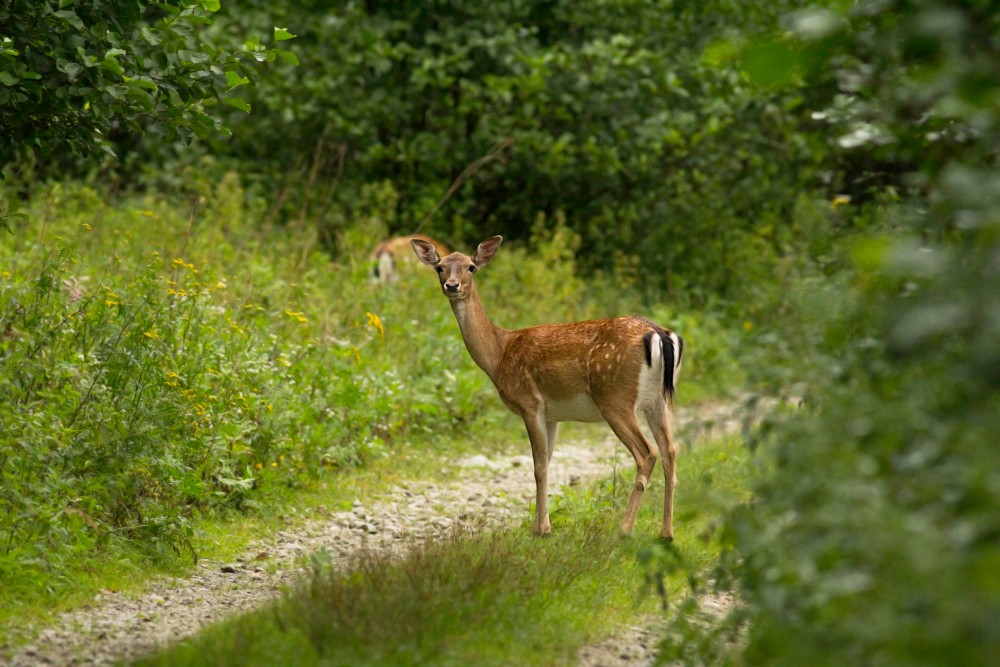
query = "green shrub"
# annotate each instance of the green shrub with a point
(161, 362)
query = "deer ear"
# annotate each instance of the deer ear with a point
(425, 252)
(486, 250)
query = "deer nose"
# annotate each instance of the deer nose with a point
(451, 285)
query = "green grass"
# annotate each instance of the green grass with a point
(495, 596)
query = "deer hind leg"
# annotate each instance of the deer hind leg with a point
(659, 424)
(628, 431)
(540, 452)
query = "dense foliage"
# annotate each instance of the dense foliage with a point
(873, 536)
(76, 73)
(484, 116)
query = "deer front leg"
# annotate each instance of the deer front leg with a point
(537, 433)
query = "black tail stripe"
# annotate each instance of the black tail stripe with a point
(668, 363)
(647, 343)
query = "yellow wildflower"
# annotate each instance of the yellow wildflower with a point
(152, 333)
(236, 327)
(840, 200)
(747, 325)
(375, 323)
(296, 316)
(181, 263)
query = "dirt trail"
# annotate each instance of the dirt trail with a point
(120, 628)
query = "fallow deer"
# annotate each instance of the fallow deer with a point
(614, 370)
(389, 253)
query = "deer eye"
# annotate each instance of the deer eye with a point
(472, 268)
(438, 269)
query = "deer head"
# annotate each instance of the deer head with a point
(455, 271)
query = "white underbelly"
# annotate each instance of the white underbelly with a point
(580, 408)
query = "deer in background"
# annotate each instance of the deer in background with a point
(616, 370)
(389, 253)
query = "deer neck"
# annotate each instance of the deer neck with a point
(484, 340)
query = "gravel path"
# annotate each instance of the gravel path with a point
(500, 489)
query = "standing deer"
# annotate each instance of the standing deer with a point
(387, 254)
(615, 370)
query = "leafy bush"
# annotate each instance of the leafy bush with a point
(873, 535)
(156, 365)
(72, 71)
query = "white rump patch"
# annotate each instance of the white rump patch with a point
(676, 343)
(386, 268)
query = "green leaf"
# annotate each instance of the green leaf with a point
(188, 56)
(152, 37)
(69, 68)
(237, 102)
(70, 17)
(281, 34)
(112, 65)
(234, 80)
(211, 5)
(141, 82)
(8, 79)
(287, 56)
(770, 63)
